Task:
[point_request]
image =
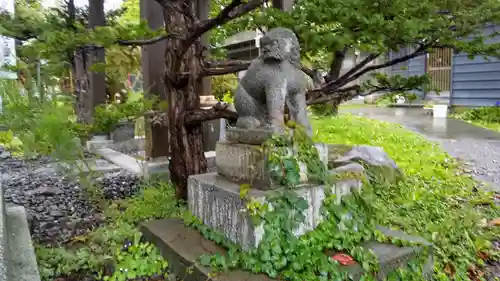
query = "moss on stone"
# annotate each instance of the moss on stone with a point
(337, 150)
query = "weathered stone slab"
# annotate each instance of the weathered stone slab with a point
(93, 145)
(337, 150)
(253, 136)
(142, 167)
(124, 131)
(378, 163)
(216, 201)
(245, 163)
(79, 166)
(21, 254)
(182, 246)
(3, 238)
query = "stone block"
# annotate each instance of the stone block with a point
(123, 160)
(216, 201)
(245, 163)
(213, 131)
(181, 246)
(22, 264)
(94, 145)
(17, 254)
(378, 164)
(254, 136)
(124, 131)
(3, 238)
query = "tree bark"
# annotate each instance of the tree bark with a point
(186, 142)
(336, 65)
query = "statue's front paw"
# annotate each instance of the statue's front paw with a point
(248, 122)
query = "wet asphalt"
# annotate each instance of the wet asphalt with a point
(477, 147)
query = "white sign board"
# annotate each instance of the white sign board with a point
(7, 45)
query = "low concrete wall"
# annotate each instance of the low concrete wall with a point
(17, 254)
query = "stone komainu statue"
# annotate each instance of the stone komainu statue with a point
(273, 80)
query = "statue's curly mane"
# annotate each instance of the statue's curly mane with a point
(286, 34)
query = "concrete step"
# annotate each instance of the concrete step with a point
(17, 254)
(181, 246)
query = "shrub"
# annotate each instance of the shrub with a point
(223, 86)
(483, 114)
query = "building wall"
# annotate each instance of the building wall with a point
(413, 67)
(353, 59)
(476, 82)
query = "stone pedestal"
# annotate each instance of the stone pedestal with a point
(124, 131)
(245, 163)
(213, 131)
(216, 201)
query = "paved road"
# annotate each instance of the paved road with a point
(478, 147)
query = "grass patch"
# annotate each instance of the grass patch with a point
(153, 203)
(487, 117)
(435, 200)
(116, 245)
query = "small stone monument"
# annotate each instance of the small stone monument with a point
(272, 81)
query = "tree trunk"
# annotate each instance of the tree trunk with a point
(186, 142)
(97, 78)
(335, 107)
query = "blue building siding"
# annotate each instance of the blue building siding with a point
(413, 67)
(476, 82)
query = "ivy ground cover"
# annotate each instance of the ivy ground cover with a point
(436, 200)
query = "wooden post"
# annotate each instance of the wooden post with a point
(284, 5)
(211, 129)
(97, 79)
(153, 67)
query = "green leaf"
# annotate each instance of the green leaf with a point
(205, 260)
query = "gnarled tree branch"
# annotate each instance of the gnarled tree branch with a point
(232, 11)
(225, 67)
(142, 42)
(342, 94)
(220, 110)
(336, 65)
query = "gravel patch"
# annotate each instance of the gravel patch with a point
(480, 157)
(57, 206)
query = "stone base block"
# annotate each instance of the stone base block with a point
(216, 201)
(124, 131)
(245, 163)
(22, 264)
(254, 136)
(94, 145)
(181, 246)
